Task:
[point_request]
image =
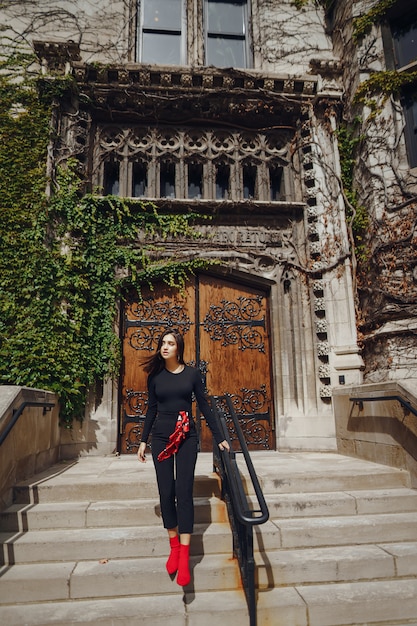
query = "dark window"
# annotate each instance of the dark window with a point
(249, 181)
(222, 182)
(167, 180)
(139, 180)
(160, 37)
(195, 180)
(410, 112)
(275, 183)
(402, 19)
(226, 26)
(405, 44)
(111, 178)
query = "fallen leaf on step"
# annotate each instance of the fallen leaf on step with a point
(103, 561)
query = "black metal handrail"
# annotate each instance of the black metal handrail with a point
(18, 412)
(242, 515)
(399, 399)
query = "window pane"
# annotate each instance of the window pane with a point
(249, 181)
(161, 48)
(139, 180)
(224, 52)
(410, 110)
(162, 14)
(167, 180)
(111, 178)
(405, 41)
(226, 17)
(195, 180)
(222, 182)
(275, 183)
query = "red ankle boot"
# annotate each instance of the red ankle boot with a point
(184, 575)
(174, 556)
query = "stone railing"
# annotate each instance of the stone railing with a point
(31, 443)
(373, 424)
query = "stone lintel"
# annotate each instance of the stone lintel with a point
(194, 79)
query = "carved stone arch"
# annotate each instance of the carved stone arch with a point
(168, 177)
(196, 141)
(140, 141)
(222, 142)
(110, 169)
(112, 174)
(139, 176)
(169, 141)
(230, 149)
(111, 138)
(250, 177)
(195, 176)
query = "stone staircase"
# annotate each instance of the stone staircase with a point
(84, 544)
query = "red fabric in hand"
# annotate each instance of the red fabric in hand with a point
(182, 427)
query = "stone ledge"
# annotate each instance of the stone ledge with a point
(192, 79)
(58, 56)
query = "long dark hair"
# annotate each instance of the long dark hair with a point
(155, 363)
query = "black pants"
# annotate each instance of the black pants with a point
(175, 475)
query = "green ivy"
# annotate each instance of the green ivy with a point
(348, 141)
(67, 259)
(300, 4)
(362, 25)
(386, 83)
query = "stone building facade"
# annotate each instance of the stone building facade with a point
(380, 41)
(232, 109)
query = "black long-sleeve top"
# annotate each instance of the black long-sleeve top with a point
(171, 393)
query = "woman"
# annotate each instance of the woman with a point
(171, 384)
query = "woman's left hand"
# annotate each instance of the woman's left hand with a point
(224, 445)
(141, 452)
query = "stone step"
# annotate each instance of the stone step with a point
(119, 513)
(318, 532)
(387, 602)
(115, 478)
(112, 578)
(125, 577)
(336, 564)
(309, 472)
(53, 515)
(362, 502)
(274, 483)
(345, 530)
(228, 607)
(83, 544)
(368, 603)
(146, 541)
(66, 489)
(342, 533)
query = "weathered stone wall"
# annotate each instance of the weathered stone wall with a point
(284, 38)
(287, 38)
(100, 28)
(32, 444)
(382, 431)
(387, 188)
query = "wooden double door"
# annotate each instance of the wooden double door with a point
(226, 333)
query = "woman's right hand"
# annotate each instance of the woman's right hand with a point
(141, 452)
